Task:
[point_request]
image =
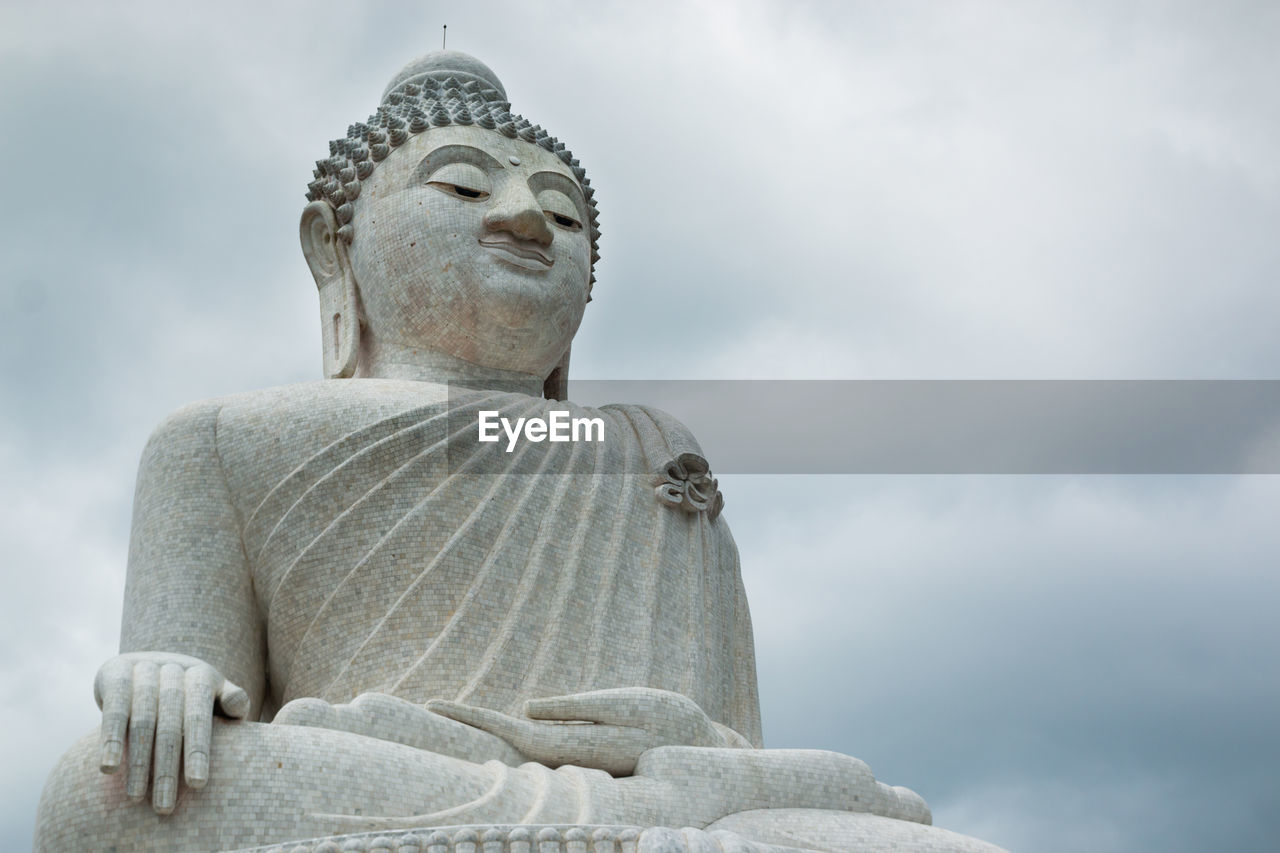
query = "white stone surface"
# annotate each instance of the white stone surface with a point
(397, 629)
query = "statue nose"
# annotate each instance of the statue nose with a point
(518, 213)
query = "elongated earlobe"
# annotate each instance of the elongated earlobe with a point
(327, 257)
(556, 385)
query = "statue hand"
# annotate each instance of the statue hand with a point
(165, 704)
(391, 718)
(604, 729)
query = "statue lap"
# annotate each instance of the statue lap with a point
(275, 783)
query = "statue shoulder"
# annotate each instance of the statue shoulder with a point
(259, 436)
(263, 413)
(681, 470)
(198, 423)
(652, 424)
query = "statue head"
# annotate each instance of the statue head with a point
(447, 225)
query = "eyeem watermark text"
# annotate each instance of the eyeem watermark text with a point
(557, 426)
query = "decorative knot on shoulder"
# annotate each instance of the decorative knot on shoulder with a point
(686, 483)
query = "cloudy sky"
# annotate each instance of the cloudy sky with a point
(948, 190)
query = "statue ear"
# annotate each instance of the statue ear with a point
(556, 385)
(327, 257)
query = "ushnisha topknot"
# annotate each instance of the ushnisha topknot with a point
(437, 89)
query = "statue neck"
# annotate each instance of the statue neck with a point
(383, 359)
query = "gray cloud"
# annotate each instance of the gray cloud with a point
(1049, 655)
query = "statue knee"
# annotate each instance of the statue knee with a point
(75, 795)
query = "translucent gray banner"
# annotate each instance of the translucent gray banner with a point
(922, 427)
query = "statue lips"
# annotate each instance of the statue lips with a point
(525, 254)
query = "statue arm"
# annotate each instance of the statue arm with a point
(191, 640)
(189, 589)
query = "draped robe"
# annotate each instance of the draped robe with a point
(401, 555)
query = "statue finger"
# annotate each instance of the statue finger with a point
(511, 729)
(164, 788)
(614, 749)
(671, 718)
(614, 707)
(142, 728)
(233, 701)
(610, 748)
(113, 691)
(197, 723)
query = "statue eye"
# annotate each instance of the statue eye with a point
(563, 221)
(459, 191)
(461, 180)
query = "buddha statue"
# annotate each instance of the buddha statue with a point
(351, 625)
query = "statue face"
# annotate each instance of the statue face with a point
(475, 245)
